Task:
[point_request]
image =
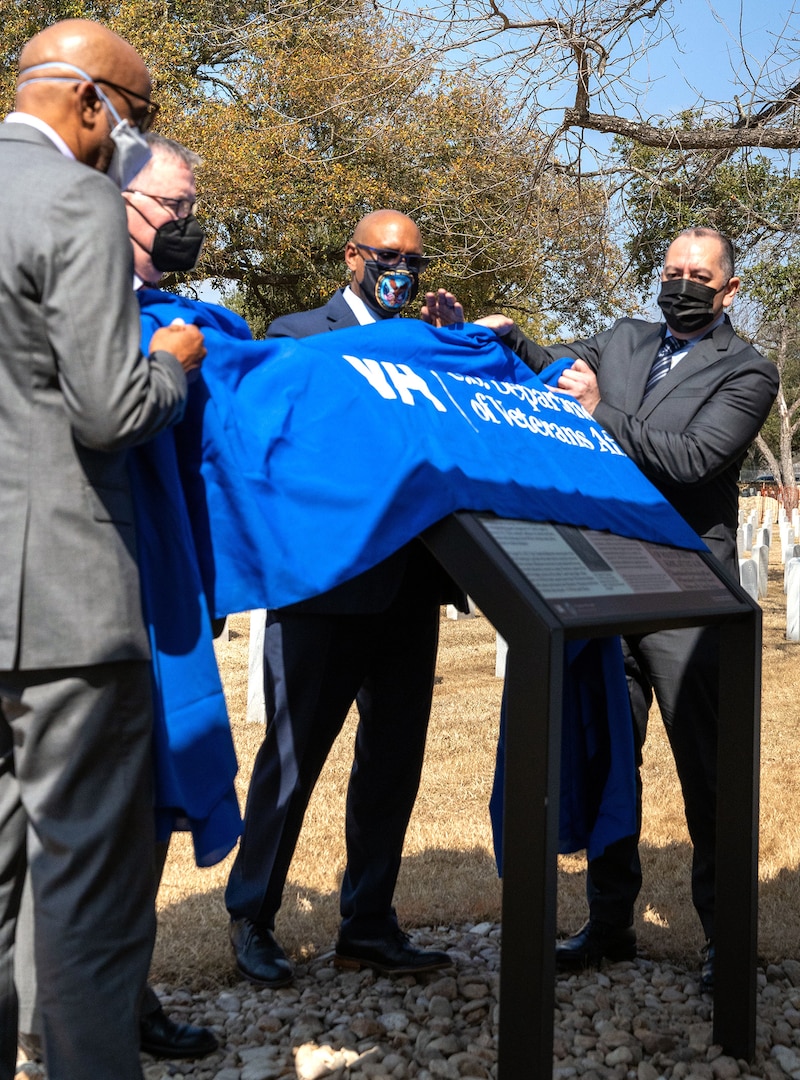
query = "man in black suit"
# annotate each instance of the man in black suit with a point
(372, 640)
(684, 400)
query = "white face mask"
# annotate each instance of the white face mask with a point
(131, 150)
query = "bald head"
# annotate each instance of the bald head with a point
(50, 87)
(100, 52)
(379, 273)
(388, 229)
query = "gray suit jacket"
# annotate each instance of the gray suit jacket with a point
(75, 392)
(690, 436)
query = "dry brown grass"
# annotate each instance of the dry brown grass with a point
(448, 872)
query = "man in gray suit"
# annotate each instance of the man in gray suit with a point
(684, 400)
(75, 393)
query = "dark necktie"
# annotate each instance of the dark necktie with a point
(662, 363)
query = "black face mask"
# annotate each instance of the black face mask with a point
(388, 289)
(687, 305)
(176, 244)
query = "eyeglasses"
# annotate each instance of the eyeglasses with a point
(181, 208)
(141, 118)
(389, 257)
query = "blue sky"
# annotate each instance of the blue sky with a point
(702, 61)
(708, 46)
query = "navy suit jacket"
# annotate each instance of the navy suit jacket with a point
(335, 315)
(412, 565)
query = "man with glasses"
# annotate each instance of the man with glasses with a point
(372, 640)
(75, 705)
(165, 236)
(165, 233)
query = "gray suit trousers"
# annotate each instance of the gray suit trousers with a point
(76, 794)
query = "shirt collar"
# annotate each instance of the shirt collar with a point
(687, 343)
(40, 125)
(358, 307)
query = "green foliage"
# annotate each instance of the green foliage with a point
(749, 197)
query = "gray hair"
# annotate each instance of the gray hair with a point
(160, 144)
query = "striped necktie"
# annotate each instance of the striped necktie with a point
(662, 363)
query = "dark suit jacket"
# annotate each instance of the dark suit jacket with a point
(375, 589)
(335, 315)
(690, 436)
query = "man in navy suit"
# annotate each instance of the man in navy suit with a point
(372, 640)
(684, 399)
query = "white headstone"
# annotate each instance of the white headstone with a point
(740, 548)
(256, 709)
(748, 536)
(761, 554)
(748, 577)
(787, 544)
(500, 657)
(792, 553)
(454, 613)
(793, 600)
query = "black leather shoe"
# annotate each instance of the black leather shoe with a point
(259, 957)
(165, 1038)
(707, 968)
(30, 1045)
(594, 942)
(392, 954)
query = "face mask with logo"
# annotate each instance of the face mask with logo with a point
(131, 150)
(687, 305)
(176, 244)
(388, 289)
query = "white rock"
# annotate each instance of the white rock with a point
(312, 1062)
(788, 1061)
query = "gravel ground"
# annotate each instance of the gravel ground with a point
(639, 1020)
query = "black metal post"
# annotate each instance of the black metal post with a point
(736, 915)
(533, 693)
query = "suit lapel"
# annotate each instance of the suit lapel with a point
(700, 356)
(641, 360)
(339, 313)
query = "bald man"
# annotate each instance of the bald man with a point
(372, 640)
(75, 394)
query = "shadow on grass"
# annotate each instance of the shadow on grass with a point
(443, 887)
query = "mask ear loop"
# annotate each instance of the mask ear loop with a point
(80, 76)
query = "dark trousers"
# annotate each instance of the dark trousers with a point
(315, 666)
(30, 1021)
(76, 796)
(681, 667)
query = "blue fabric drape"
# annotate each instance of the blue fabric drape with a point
(306, 462)
(597, 804)
(303, 463)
